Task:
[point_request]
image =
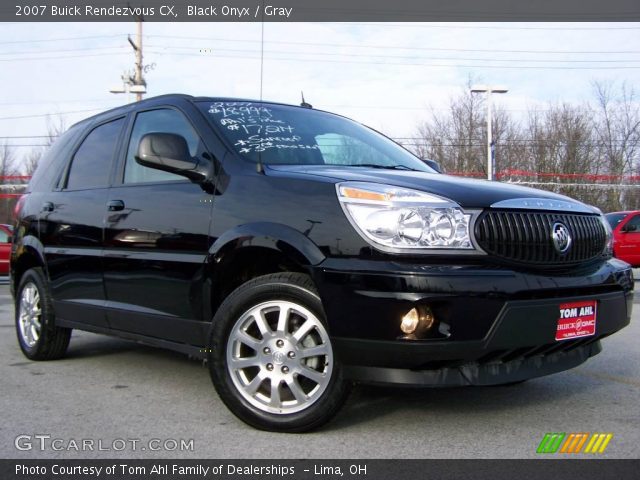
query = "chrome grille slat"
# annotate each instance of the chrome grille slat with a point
(525, 237)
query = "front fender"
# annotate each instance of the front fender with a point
(287, 240)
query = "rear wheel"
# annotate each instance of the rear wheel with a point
(271, 358)
(38, 336)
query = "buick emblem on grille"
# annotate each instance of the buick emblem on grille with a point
(561, 237)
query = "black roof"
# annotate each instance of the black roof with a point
(151, 101)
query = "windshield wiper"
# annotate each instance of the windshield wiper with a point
(385, 167)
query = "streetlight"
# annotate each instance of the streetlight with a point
(489, 89)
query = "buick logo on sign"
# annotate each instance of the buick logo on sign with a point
(561, 237)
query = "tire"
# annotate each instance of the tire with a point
(38, 336)
(259, 356)
(510, 384)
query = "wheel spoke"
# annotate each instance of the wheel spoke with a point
(305, 328)
(252, 387)
(33, 334)
(311, 374)
(296, 389)
(275, 394)
(283, 319)
(28, 295)
(28, 335)
(248, 340)
(262, 324)
(317, 351)
(246, 362)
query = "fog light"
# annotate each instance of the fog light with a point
(427, 318)
(417, 321)
(410, 322)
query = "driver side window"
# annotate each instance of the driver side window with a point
(165, 120)
(634, 222)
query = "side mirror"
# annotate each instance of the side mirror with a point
(9, 239)
(169, 152)
(433, 164)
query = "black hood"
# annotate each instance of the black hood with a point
(465, 192)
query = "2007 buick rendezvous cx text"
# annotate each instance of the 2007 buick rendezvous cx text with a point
(300, 251)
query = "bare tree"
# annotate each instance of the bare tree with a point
(455, 139)
(617, 129)
(55, 128)
(7, 168)
(584, 151)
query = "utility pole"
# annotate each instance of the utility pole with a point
(135, 83)
(489, 90)
(137, 46)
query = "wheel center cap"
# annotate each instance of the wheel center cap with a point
(278, 358)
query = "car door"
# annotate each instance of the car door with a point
(628, 248)
(5, 250)
(156, 239)
(71, 227)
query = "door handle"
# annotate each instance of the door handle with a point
(48, 207)
(115, 205)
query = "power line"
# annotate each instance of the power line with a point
(47, 40)
(61, 57)
(359, 55)
(416, 64)
(491, 27)
(52, 113)
(393, 47)
(503, 140)
(28, 145)
(28, 136)
(354, 62)
(61, 101)
(38, 52)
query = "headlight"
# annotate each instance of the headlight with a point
(400, 218)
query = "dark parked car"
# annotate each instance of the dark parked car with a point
(626, 236)
(299, 251)
(5, 247)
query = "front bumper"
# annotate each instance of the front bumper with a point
(495, 325)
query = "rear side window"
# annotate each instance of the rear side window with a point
(91, 164)
(53, 161)
(4, 236)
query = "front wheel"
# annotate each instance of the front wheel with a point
(271, 358)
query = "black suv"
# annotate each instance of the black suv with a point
(299, 251)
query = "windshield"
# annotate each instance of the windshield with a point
(615, 218)
(280, 135)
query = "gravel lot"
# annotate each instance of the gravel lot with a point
(109, 389)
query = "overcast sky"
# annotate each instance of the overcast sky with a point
(382, 74)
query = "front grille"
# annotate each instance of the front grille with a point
(517, 354)
(526, 237)
(523, 353)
